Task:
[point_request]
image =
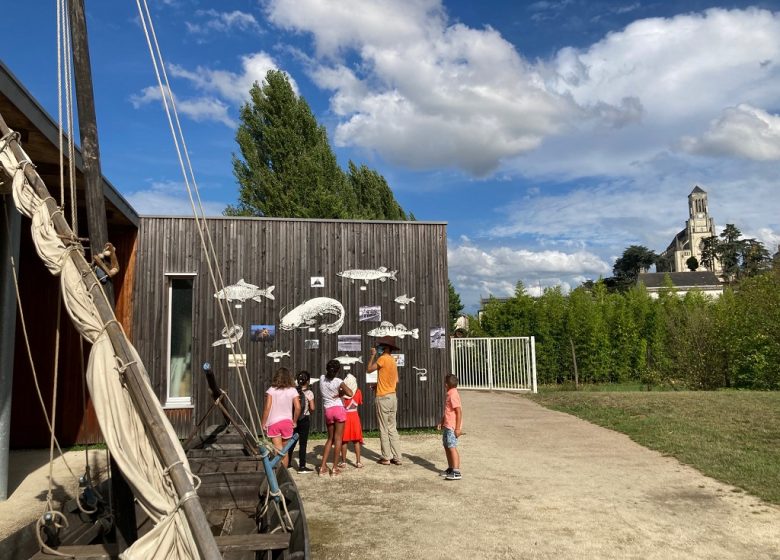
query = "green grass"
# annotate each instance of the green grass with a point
(733, 436)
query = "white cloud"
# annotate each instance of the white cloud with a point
(479, 272)
(168, 198)
(222, 22)
(426, 93)
(743, 131)
(198, 109)
(231, 86)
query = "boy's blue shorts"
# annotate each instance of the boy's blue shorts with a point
(448, 438)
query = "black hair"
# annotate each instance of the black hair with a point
(332, 368)
(451, 380)
(303, 377)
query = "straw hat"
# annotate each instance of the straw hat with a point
(387, 341)
(351, 382)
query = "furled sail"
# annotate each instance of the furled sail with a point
(121, 425)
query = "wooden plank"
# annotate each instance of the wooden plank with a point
(83, 552)
(257, 541)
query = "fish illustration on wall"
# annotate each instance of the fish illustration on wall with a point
(386, 328)
(242, 291)
(230, 335)
(381, 274)
(276, 354)
(348, 360)
(403, 300)
(307, 314)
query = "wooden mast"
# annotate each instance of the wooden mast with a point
(123, 509)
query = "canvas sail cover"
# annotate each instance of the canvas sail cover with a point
(120, 423)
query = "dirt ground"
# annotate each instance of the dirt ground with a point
(536, 484)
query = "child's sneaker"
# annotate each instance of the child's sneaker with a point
(454, 475)
(445, 473)
(305, 470)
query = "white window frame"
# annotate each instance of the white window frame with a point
(174, 402)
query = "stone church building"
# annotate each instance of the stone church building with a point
(687, 243)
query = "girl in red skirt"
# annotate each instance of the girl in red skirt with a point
(353, 430)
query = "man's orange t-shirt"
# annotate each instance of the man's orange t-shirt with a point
(387, 375)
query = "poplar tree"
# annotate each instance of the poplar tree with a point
(287, 168)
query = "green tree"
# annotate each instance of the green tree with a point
(692, 263)
(456, 307)
(634, 260)
(287, 168)
(374, 199)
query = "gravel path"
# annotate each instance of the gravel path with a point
(536, 484)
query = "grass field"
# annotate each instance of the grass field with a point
(733, 436)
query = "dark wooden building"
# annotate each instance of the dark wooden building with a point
(175, 301)
(39, 290)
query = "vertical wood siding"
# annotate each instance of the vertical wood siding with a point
(286, 254)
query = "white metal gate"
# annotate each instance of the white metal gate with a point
(505, 364)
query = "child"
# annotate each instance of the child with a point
(281, 409)
(306, 397)
(332, 389)
(451, 423)
(353, 431)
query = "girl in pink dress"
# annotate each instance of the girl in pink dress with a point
(281, 409)
(353, 430)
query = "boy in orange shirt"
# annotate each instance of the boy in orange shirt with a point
(451, 423)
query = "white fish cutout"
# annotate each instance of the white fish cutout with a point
(403, 300)
(242, 291)
(307, 313)
(386, 328)
(381, 274)
(276, 354)
(348, 360)
(231, 335)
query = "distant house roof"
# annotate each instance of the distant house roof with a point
(698, 190)
(654, 280)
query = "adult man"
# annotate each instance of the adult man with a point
(386, 403)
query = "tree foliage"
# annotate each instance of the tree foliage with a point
(287, 168)
(456, 307)
(635, 259)
(687, 341)
(739, 257)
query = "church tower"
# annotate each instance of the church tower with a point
(687, 243)
(699, 226)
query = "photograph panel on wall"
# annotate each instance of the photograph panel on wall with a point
(311, 344)
(317, 281)
(370, 313)
(400, 359)
(349, 343)
(438, 339)
(262, 333)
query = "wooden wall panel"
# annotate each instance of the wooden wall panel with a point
(286, 254)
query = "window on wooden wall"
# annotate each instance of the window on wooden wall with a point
(180, 298)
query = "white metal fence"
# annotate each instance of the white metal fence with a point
(506, 364)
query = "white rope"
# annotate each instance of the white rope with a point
(191, 185)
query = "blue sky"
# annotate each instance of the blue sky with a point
(550, 135)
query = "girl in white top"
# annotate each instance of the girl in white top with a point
(332, 389)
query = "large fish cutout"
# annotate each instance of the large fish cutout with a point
(386, 328)
(308, 313)
(381, 274)
(242, 291)
(231, 336)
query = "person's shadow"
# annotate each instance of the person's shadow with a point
(368, 454)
